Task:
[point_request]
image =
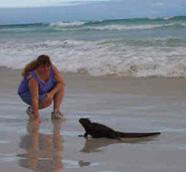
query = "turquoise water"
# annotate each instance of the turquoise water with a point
(131, 47)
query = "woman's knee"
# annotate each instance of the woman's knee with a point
(45, 103)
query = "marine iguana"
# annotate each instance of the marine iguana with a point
(97, 130)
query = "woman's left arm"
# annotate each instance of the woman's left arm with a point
(60, 83)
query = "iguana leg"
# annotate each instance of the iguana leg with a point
(81, 135)
(114, 136)
(86, 134)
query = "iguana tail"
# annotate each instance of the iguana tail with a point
(136, 135)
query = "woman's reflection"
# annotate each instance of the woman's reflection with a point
(43, 151)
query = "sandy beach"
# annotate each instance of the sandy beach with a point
(125, 104)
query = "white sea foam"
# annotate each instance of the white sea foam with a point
(135, 47)
(62, 26)
(99, 58)
(18, 29)
(125, 27)
(59, 24)
(168, 17)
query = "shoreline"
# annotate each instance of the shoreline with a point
(11, 78)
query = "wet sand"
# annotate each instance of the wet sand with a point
(125, 104)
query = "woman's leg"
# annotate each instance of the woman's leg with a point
(58, 97)
(45, 103)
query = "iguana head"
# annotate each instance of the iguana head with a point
(84, 121)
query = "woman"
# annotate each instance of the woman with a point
(42, 83)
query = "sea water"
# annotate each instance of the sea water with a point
(130, 47)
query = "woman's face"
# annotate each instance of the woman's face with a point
(44, 68)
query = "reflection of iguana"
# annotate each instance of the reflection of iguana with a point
(97, 130)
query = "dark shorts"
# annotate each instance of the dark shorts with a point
(27, 98)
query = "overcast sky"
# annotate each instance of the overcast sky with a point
(45, 3)
(38, 11)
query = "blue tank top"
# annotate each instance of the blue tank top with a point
(44, 87)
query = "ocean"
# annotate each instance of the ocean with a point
(144, 47)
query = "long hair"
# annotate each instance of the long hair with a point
(34, 64)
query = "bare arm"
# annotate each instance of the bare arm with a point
(33, 86)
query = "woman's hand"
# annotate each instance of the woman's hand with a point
(49, 95)
(49, 98)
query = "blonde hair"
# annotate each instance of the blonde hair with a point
(34, 64)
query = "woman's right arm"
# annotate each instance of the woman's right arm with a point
(33, 86)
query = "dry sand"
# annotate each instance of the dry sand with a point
(125, 104)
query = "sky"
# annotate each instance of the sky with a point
(45, 3)
(46, 11)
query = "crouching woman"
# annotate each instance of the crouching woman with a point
(42, 83)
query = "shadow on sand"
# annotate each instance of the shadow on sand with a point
(95, 145)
